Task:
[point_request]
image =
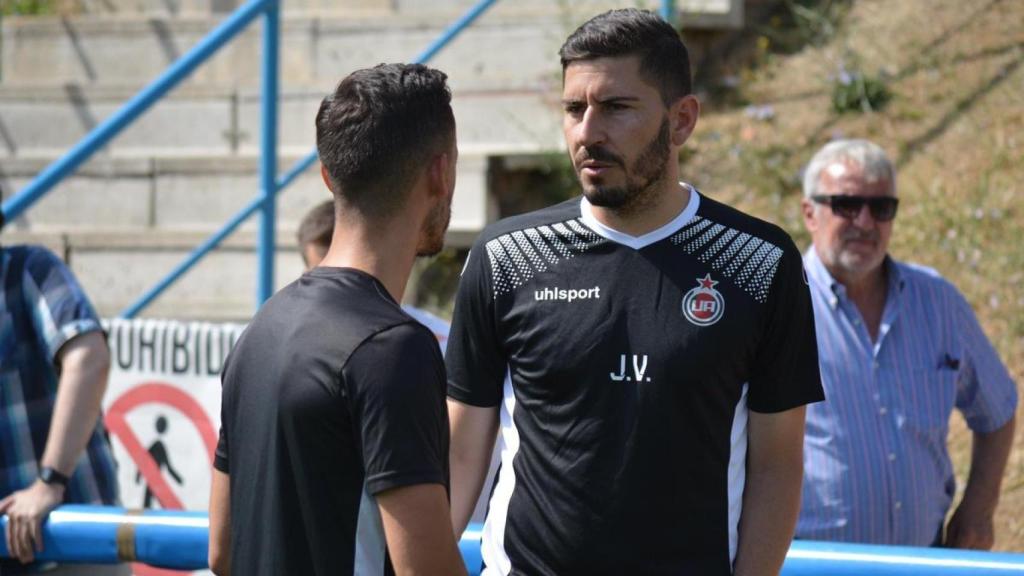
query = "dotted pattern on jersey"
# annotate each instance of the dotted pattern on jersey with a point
(703, 239)
(761, 280)
(554, 241)
(748, 249)
(726, 257)
(750, 262)
(502, 270)
(753, 264)
(518, 256)
(524, 268)
(531, 254)
(696, 226)
(590, 238)
(718, 245)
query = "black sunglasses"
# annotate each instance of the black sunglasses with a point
(883, 208)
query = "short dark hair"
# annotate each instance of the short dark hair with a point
(664, 60)
(317, 226)
(378, 128)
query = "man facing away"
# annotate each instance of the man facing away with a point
(314, 237)
(660, 347)
(334, 442)
(899, 349)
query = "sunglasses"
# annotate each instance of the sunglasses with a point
(883, 208)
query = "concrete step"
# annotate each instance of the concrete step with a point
(503, 52)
(706, 13)
(513, 46)
(116, 268)
(211, 120)
(172, 195)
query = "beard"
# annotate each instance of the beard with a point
(642, 177)
(436, 224)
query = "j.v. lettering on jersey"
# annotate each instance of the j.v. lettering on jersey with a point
(639, 369)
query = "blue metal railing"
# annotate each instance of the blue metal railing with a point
(269, 185)
(302, 165)
(179, 540)
(141, 102)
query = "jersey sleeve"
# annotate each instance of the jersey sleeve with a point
(59, 307)
(986, 394)
(785, 373)
(221, 460)
(395, 382)
(475, 362)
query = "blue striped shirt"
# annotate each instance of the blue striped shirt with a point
(876, 467)
(41, 308)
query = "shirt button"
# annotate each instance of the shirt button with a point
(892, 457)
(875, 364)
(856, 321)
(883, 410)
(898, 505)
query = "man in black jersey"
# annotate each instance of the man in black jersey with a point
(333, 450)
(659, 346)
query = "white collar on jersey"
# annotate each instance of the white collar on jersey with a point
(638, 242)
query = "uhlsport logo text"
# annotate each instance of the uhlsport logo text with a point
(567, 294)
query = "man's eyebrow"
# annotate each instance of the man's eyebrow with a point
(607, 100)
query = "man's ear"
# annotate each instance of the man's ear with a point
(438, 177)
(682, 118)
(810, 218)
(326, 177)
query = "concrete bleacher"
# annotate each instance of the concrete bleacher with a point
(189, 163)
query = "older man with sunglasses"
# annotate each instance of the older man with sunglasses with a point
(899, 348)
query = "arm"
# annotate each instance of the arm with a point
(771, 497)
(420, 541)
(220, 523)
(473, 430)
(84, 362)
(971, 524)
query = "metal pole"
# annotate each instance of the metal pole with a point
(139, 103)
(668, 11)
(268, 153)
(452, 31)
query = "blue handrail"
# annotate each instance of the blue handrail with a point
(668, 11)
(178, 539)
(142, 101)
(298, 168)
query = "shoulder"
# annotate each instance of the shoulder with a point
(928, 282)
(561, 212)
(725, 216)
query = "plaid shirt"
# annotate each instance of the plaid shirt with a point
(41, 308)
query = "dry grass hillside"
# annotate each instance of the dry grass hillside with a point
(955, 124)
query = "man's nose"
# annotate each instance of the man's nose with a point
(864, 218)
(590, 130)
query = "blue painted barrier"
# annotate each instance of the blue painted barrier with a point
(174, 539)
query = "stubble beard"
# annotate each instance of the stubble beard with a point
(433, 230)
(643, 179)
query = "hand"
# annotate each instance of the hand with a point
(970, 529)
(25, 510)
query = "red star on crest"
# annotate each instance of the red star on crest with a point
(706, 282)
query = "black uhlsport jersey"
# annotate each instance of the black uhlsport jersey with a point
(332, 395)
(632, 363)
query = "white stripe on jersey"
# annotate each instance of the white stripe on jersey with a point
(370, 546)
(492, 545)
(737, 474)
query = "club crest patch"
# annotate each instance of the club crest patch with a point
(703, 305)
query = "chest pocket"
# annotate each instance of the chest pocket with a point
(928, 394)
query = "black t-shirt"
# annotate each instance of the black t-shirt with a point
(632, 363)
(332, 395)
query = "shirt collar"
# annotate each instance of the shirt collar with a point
(819, 277)
(638, 242)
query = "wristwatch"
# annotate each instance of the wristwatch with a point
(50, 476)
